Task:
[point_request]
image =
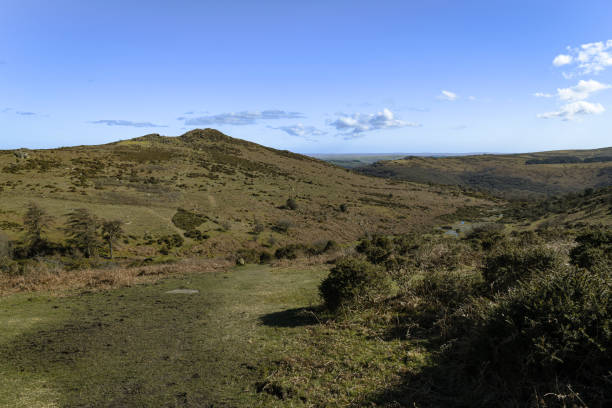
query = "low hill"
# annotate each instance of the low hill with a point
(511, 175)
(229, 193)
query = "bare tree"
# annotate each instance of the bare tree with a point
(111, 232)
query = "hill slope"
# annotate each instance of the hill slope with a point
(512, 175)
(226, 186)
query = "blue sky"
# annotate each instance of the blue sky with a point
(312, 76)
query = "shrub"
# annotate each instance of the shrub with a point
(265, 257)
(288, 252)
(196, 235)
(171, 241)
(594, 249)
(353, 282)
(505, 267)
(442, 292)
(291, 204)
(282, 226)
(187, 220)
(247, 255)
(377, 250)
(551, 330)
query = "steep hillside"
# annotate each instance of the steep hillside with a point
(233, 192)
(515, 175)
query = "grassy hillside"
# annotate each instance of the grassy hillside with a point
(225, 188)
(515, 175)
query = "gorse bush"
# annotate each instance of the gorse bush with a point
(553, 328)
(511, 263)
(594, 249)
(187, 220)
(353, 282)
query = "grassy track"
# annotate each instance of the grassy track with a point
(140, 346)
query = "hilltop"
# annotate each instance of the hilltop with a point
(511, 175)
(228, 193)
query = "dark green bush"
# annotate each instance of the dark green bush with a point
(288, 252)
(196, 235)
(247, 255)
(265, 257)
(550, 331)
(506, 266)
(377, 250)
(353, 282)
(291, 204)
(171, 241)
(187, 220)
(594, 249)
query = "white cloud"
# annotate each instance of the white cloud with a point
(447, 96)
(570, 110)
(361, 122)
(543, 95)
(590, 58)
(300, 130)
(562, 59)
(581, 91)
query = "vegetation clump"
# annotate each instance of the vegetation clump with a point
(187, 220)
(353, 282)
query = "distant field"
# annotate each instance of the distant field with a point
(354, 160)
(515, 175)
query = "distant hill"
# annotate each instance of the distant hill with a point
(589, 207)
(511, 175)
(222, 188)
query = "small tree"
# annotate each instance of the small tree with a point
(36, 221)
(82, 228)
(111, 232)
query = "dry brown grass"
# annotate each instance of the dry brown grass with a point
(57, 280)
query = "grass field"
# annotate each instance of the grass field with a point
(244, 340)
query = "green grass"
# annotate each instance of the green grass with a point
(140, 346)
(248, 338)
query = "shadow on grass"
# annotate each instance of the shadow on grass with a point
(303, 316)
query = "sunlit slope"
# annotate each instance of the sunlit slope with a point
(231, 183)
(516, 175)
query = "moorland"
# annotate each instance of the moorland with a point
(203, 270)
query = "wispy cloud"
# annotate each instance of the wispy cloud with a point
(543, 95)
(299, 130)
(459, 127)
(590, 58)
(114, 122)
(447, 96)
(6, 110)
(573, 109)
(241, 118)
(22, 113)
(581, 91)
(351, 126)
